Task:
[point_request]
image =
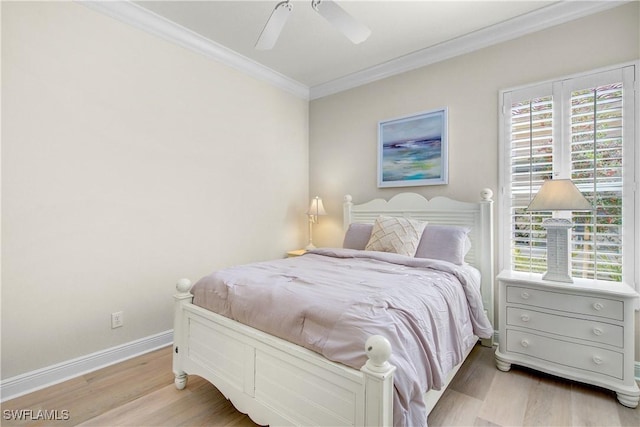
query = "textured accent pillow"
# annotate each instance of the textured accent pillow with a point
(357, 236)
(445, 242)
(398, 235)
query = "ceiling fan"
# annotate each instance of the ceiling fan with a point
(331, 11)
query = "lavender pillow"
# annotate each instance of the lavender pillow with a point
(357, 236)
(444, 242)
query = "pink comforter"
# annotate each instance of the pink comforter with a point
(332, 300)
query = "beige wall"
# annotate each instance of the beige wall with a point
(343, 127)
(127, 163)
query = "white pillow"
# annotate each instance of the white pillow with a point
(397, 235)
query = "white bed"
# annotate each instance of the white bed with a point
(247, 365)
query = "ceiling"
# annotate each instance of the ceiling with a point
(404, 34)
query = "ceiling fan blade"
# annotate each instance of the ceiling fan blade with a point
(339, 18)
(274, 25)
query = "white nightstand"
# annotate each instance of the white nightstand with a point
(583, 331)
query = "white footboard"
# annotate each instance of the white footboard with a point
(276, 382)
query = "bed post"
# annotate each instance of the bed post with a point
(179, 334)
(486, 265)
(378, 382)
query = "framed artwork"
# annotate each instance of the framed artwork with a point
(412, 150)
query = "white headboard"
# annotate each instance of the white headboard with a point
(442, 211)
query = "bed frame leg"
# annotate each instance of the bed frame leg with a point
(181, 381)
(179, 331)
(379, 382)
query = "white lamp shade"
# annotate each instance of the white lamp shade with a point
(316, 207)
(559, 195)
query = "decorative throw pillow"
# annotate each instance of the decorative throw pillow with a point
(445, 242)
(398, 235)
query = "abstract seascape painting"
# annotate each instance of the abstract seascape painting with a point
(412, 150)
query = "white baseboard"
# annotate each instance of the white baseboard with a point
(45, 377)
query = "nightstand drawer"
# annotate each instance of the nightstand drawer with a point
(579, 304)
(597, 332)
(578, 356)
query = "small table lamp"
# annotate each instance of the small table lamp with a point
(558, 195)
(315, 209)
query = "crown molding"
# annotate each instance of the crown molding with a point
(555, 14)
(541, 19)
(141, 18)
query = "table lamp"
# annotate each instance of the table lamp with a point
(315, 209)
(558, 195)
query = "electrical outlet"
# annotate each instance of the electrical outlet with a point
(117, 319)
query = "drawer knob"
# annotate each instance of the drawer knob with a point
(598, 306)
(525, 295)
(597, 331)
(597, 360)
(524, 343)
(525, 318)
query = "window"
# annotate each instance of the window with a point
(581, 128)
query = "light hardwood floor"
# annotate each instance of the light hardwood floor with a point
(140, 392)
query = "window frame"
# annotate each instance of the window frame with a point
(561, 89)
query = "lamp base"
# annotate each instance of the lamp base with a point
(558, 256)
(557, 277)
(312, 220)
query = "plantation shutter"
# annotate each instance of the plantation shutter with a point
(531, 150)
(580, 128)
(596, 168)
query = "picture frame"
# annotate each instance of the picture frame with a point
(413, 150)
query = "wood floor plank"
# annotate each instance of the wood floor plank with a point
(140, 392)
(507, 398)
(474, 375)
(481, 422)
(139, 411)
(205, 406)
(629, 417)
(455, 409)
(50, 398)
(549, 402)
(592, 406)
(97, 392)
